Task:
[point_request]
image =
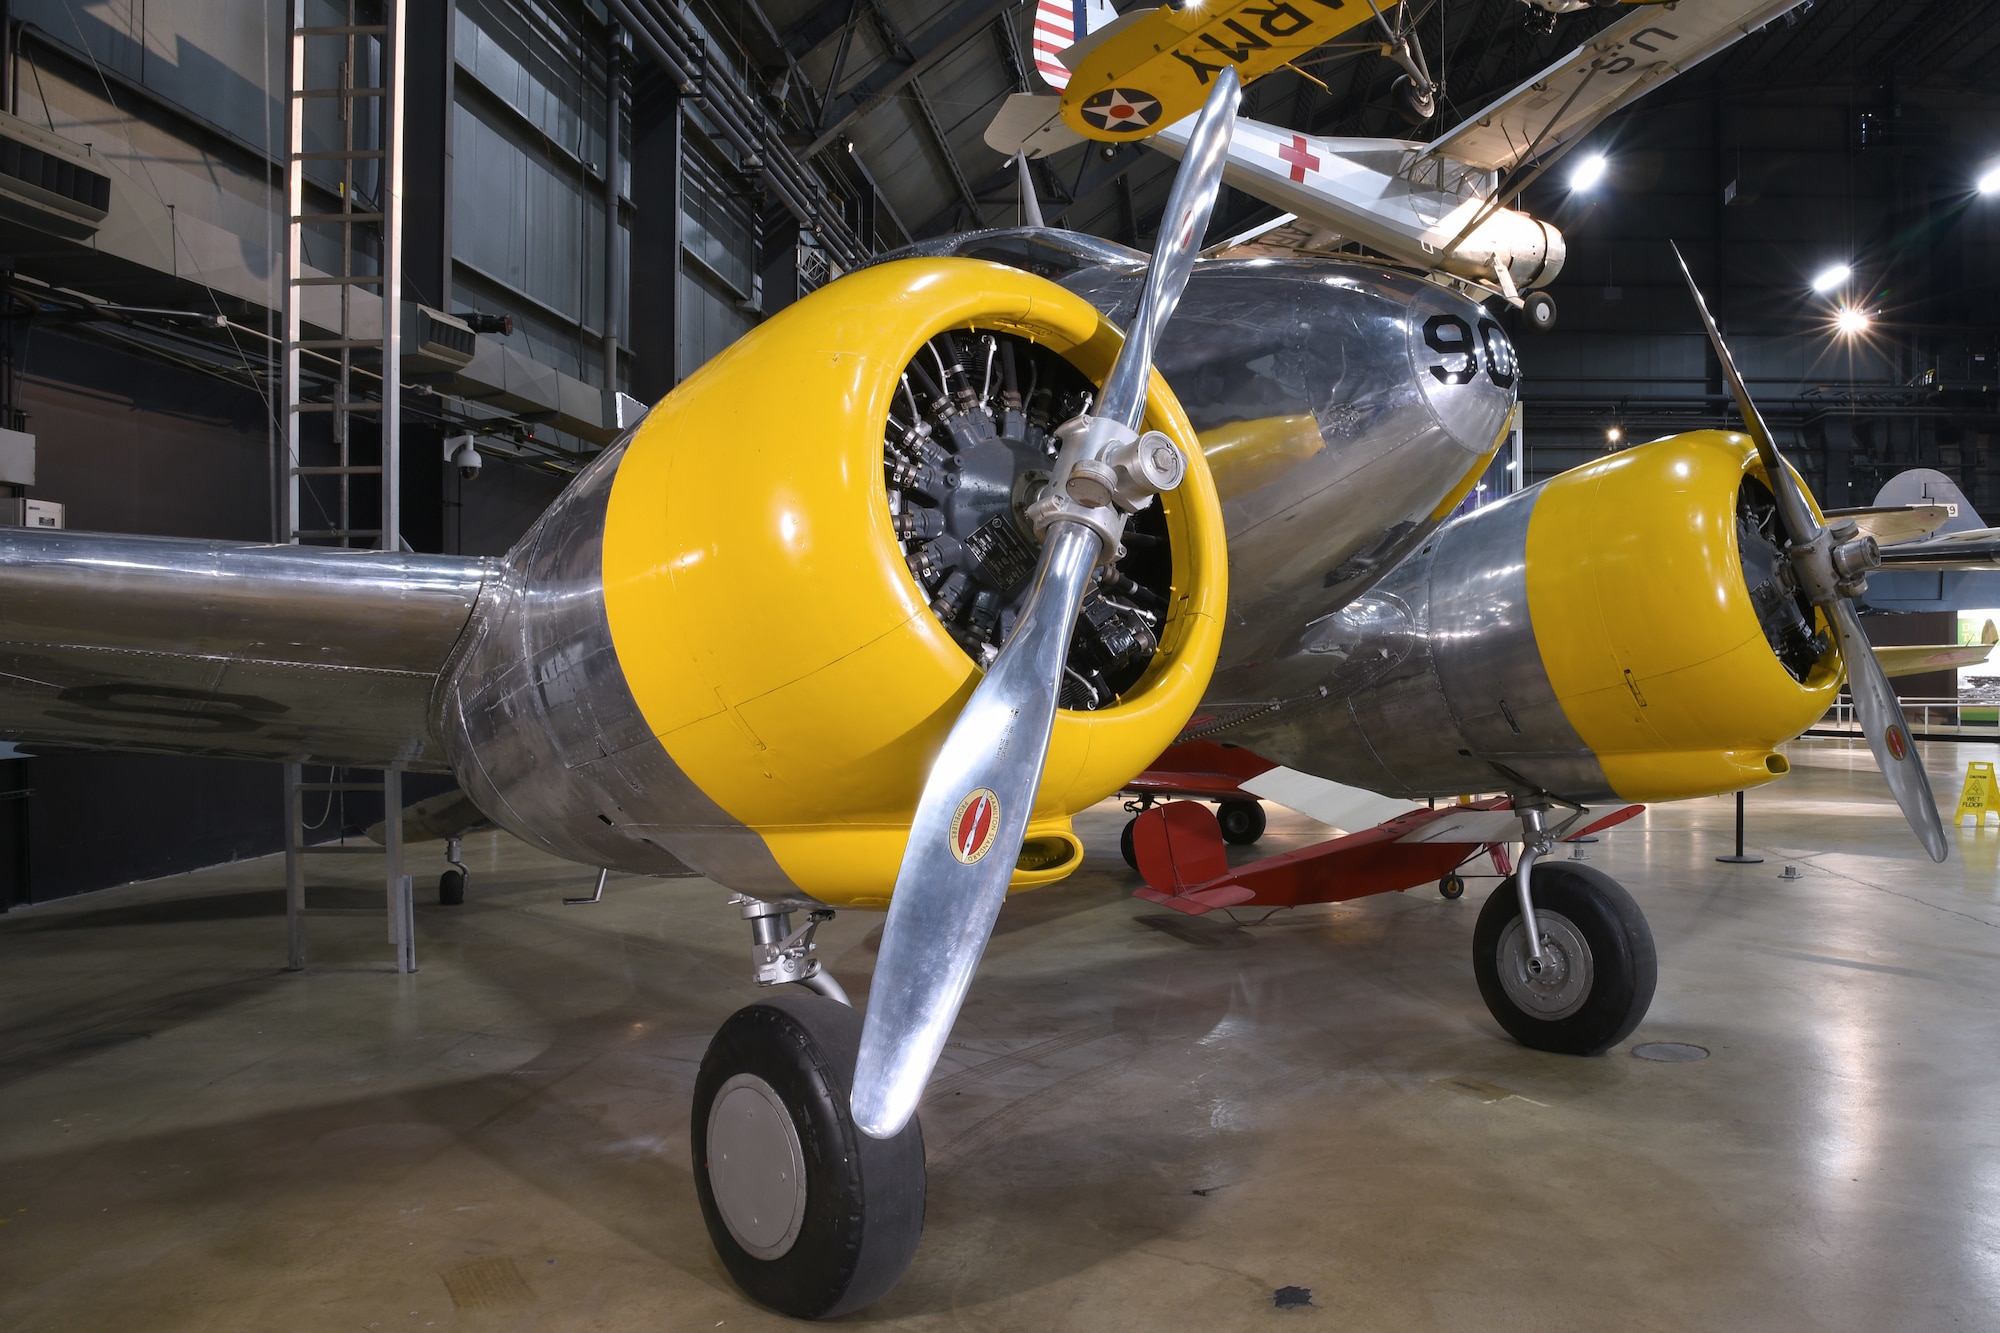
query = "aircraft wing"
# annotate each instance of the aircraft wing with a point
(228, 649)
(1915, 659)
(1625, 61)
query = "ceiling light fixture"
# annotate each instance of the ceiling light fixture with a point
(1852, 323)
(1831, 277)
(1589, 172)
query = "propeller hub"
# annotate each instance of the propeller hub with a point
(1106, 472)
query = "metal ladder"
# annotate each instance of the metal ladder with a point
(354, 368)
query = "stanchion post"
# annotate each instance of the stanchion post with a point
(1740, 859)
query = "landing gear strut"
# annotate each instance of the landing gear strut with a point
(1135, 807)
(779, 954)
(451, 884)
(809, 1215)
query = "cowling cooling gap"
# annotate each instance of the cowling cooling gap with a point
(966, 449)
(1783, 611)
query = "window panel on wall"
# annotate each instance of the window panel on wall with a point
(530, 58)
(719, 225)
(711, 319)
(208, 58)
(525, 226)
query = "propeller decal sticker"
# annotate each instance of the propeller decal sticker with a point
(1897, 745)
(973, 827)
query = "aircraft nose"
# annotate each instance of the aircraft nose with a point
(1466, 366)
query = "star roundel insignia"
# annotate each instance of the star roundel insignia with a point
(974, 825)
(1121, 109)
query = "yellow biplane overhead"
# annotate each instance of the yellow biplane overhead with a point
(1152, 68)
(1128, 75)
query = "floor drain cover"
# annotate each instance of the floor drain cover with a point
(1670, 1052)
(1291, 1298)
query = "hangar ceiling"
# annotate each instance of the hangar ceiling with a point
(911, 84)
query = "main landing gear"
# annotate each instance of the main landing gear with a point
(451, 884)
(1580, 978)
(810, 1216)
(1242, 823)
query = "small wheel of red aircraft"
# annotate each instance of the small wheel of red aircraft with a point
(1596, 975)
(1242, 822)
(1125, 847)
(810, 1216)
(1452, 886)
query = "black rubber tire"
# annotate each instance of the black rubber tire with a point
(451, 888)
(1125, 847)
(1624, 967)
(864, 1209)
(1539, 309)
(1452, 886)
(1242, 822)
(1416, 110)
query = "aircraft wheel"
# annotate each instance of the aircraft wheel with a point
(1598, 966)
(812, 1217)
(1411, 105)
(1540, 309)
(1125, 847)
(1242, 822)
(451, 888)
(1452, 886)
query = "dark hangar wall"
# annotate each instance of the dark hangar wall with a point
(1762, 188)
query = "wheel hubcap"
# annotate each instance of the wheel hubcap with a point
(756, 1167)
(1556, 985)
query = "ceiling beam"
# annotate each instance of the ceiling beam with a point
(960, 26)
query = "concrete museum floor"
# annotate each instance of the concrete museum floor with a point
(1145, 1121)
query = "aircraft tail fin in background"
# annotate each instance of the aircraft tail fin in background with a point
(1061, 24)
(1923, 485)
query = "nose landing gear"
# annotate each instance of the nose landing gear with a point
(810, 1216)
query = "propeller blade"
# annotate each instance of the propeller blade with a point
(1793, 510)
(1829, 571)
(973, 815)
(1888, 735)
(1978, 549)
(1031, 205)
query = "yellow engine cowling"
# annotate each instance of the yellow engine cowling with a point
(1593, 637)
(764, 617)
(1647, 630)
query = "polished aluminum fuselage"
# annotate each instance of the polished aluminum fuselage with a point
(1336, 429)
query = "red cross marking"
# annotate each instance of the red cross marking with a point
(1296, 153)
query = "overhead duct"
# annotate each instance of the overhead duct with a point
(435, 343)
(50, 183)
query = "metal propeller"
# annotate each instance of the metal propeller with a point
(1031, 204)
(974, 812)
(1832, 564)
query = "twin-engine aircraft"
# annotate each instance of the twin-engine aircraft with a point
(866, 609)
(1440, 206)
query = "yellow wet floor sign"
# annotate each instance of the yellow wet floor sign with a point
(1981, 795)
